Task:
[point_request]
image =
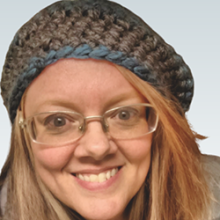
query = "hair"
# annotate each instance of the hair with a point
(175, 187)
(177, 180)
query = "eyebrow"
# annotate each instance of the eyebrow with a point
(123, 97)
(60, 103)
(113, 102)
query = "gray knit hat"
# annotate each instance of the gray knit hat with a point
(97, 29)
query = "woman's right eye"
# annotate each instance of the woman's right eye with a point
(59, 121)
(55, 121)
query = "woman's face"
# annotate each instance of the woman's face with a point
(89, 87)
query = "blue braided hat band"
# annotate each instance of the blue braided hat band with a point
(37, 64)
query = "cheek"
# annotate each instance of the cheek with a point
(138, 154)
(138, 150)
(52, 158)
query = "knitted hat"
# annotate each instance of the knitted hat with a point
(97, 29)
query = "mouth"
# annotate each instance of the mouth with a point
(98, 178)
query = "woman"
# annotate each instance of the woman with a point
(97, 101)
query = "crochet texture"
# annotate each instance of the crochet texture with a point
(96, 29)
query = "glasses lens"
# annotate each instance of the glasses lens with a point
(55, 128)
(132, 121)
(61, 128)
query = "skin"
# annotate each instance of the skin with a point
(90, 87)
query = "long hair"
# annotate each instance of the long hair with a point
(27, 197)
(176, 183)
(175, 187)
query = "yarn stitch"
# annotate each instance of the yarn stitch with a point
(97, 29)
(83, 52)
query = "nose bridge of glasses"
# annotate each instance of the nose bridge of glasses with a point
(96, 118)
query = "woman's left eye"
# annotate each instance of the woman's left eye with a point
(124, 115)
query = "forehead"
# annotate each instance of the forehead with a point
(77, 83)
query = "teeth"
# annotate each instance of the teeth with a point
(81, 177)
(87, 178)
(93, 178)
(101, 177)
(108, 175)
(113, 172)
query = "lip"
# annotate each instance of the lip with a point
(95, 171)
(95, 186)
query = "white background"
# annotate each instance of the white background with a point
(192, 27)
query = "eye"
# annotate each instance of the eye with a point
(56, 121)
(124, 115)
(59, 121)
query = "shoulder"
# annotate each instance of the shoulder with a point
(212, 166)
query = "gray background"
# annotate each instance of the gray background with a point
(190, 26)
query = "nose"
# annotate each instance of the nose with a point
(95, 143)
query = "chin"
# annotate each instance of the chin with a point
(103, 211)
(103, 216)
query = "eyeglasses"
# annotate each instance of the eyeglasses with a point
(57, 128)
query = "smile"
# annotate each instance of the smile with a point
(98, 178)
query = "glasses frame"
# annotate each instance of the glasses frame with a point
(23, 123)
